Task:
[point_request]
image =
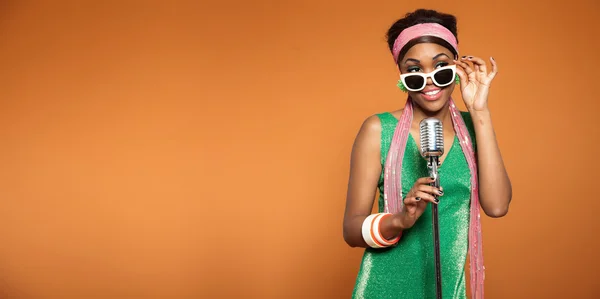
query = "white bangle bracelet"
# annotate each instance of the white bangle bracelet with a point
(377, 232)
(371, 233)
(366, 231)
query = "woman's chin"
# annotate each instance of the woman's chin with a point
(430, 105)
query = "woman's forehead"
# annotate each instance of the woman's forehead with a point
(427, 51)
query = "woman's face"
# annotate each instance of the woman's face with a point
(425, 58)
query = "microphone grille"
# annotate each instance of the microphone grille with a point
(432, 137)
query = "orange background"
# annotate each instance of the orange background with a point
(177, 150)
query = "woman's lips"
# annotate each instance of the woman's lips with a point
(431, 94)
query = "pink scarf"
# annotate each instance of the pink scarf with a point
(393, 200)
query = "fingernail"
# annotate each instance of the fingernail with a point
(492, 58)
(441, 192)
(433, 179)
(417, 198)
(437, 200)
(464, 57)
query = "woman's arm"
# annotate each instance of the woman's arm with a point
(365, 169)
(495, 190)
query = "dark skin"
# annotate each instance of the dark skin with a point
(495, 188)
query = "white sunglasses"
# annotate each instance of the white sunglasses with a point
(441, 77)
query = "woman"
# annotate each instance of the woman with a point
(399, 257)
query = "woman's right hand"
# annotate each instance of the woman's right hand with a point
(416, 201)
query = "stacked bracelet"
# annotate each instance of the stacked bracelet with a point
(372, 234)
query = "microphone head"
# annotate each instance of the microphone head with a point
(432, 137)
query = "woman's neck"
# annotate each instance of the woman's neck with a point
(443, 115)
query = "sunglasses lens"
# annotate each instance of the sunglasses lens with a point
(444, 77)
(414, 82)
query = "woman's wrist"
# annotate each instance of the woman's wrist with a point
(478, 113)
(396, 223)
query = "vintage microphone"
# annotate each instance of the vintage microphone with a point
(432, 148)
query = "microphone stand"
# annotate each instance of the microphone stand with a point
(433, 171)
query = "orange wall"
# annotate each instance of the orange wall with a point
(201, 150)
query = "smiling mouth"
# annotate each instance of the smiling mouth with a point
(432, 92)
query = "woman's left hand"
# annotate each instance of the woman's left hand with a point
(475, 82)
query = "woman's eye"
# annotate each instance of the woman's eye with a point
(413, 69)
(441, 64)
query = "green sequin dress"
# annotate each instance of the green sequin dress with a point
(407, 270)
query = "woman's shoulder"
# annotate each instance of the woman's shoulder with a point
(396, 114)
(378, 125)
(387, 118)
(376, 120)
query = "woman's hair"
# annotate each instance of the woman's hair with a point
(417, 17)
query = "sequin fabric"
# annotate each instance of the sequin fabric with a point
(407, 270)
(393, 185)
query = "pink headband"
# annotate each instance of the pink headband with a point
(429, 29)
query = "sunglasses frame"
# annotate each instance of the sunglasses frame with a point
(429, 75)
